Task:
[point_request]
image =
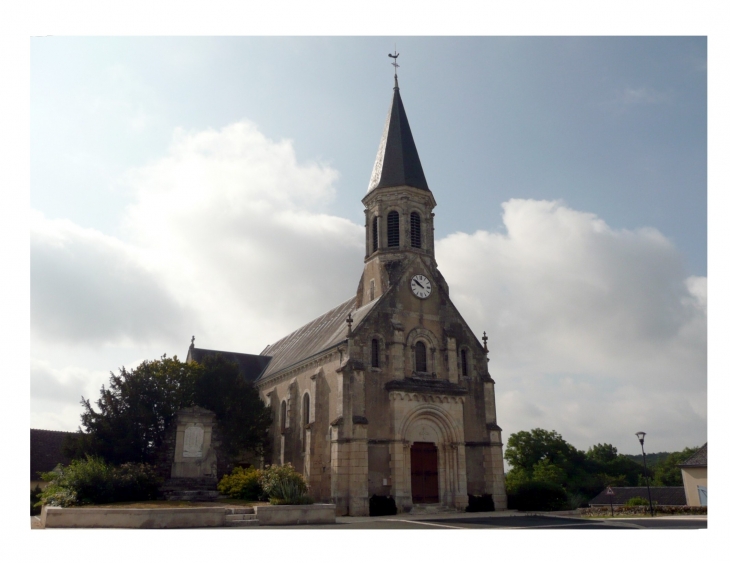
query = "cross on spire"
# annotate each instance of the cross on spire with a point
(192, 342)
(395, 64)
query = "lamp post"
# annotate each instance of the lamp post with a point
(640, 436)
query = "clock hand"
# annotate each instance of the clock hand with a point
(419, 285)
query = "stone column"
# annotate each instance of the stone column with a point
(461, 499)
(397, 354)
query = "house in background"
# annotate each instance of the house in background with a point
(660, 496)
(694, 477)
(45, 453)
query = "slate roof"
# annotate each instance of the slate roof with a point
(662, 496)
(397, 162)
(250, 365)
(45, 451)
(324, 332)
(699, 459)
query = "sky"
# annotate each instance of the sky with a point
(178, 186)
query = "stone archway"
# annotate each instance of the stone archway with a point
(436, 420)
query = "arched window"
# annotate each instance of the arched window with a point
(415, 230)
(282, 417)
(375, 353)
(421, 357)
(375, 233)
(464, 369)
(393, 229)
(305, 409)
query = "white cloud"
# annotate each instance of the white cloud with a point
(593, 331)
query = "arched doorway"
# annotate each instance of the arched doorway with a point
(424, 473)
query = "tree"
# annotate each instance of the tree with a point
(667, 473)
(602, 453)
(136, 411)
(525, 449)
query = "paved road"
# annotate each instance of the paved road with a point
(461, 521)
(511, 521)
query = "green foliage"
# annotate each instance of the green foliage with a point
(516, 477)
(35, 500)
(637, 501)
(93, 481)
(536, 495)
(283, 485)
(244, 484)
(667, 473)
(525, 449)
(547, 472)
(135, 412)
(602, 453)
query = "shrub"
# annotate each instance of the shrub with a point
(243, 484)
(283, 485)
(35, 501)
(93, 481)
(537, 495)
(480, 503)
(637, 501)
(382, 506)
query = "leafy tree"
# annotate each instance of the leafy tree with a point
(602, 453)
(667, 473)
(525, 449)
(137, 409)
(547, 472)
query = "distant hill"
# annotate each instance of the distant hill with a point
(651, 459)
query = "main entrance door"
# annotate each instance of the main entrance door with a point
(424, 472)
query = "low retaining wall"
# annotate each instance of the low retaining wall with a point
(203, 517)
(290, 514)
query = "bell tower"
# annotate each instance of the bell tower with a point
(398, 206)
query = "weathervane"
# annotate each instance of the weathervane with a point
(395, 64)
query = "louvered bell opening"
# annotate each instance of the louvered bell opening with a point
(375, 359)
(375, 234)
(393, 229)
(415, 230)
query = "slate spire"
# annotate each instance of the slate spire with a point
(397, 162)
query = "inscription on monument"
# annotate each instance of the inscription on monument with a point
(193, 442)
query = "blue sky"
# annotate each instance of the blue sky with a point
(175, 182)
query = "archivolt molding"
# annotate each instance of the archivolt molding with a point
(436, 417)
(420, 333)
(425, 397)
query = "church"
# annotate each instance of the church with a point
(388, 393)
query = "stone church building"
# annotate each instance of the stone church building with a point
(389, 393)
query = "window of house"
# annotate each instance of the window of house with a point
(415, 230)
(375, 353)
(393, 229)
(375, 233)
(421, 357)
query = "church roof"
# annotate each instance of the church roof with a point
(397, 162)
(323, 333)
(46, 451)
(251, 366)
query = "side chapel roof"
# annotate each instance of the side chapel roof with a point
(324, 332)
(397, 162)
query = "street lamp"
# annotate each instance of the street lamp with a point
(640, 436)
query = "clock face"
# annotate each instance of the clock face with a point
(420, 286)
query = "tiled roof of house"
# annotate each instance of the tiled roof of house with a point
(324, 332)
(45, 451)
(250, 365)
(699, 459)
(662, 496)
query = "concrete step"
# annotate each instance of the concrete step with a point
(240, 510)
(238, 517)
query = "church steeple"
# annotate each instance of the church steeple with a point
(398, 207)
(397, 162)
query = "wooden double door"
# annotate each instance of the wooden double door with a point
(424, 473)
